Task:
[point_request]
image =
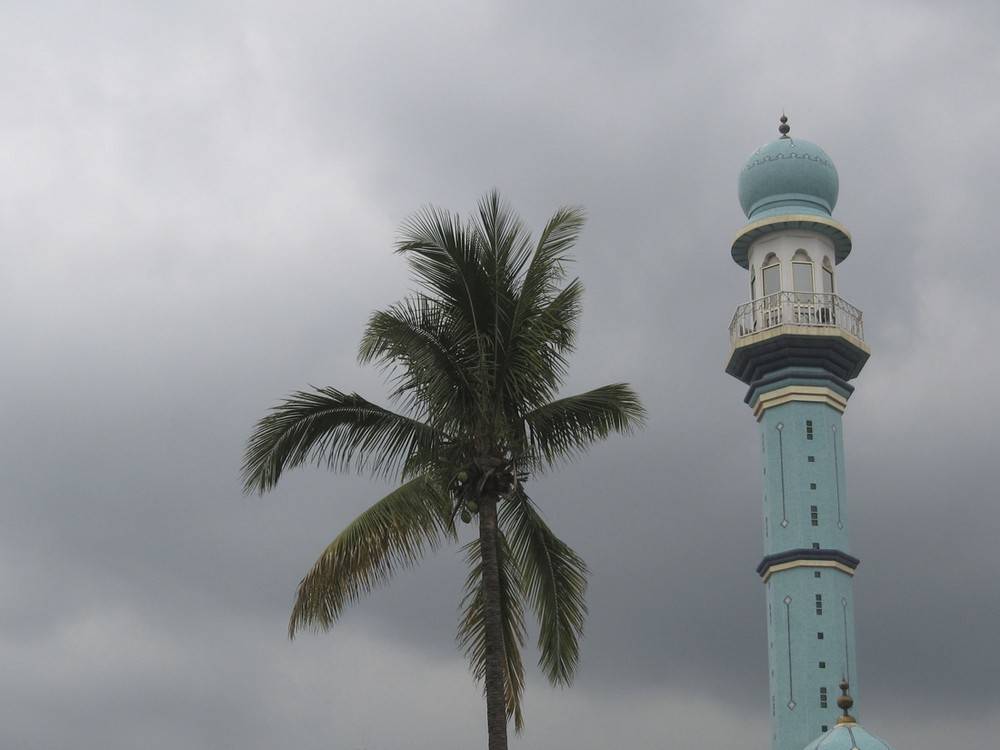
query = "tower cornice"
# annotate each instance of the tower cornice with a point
(832, 349)
(823, 225)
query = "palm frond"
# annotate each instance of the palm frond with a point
(343, 430)
(542, 322)
(432, 363)
(447, 262)
(566, 427)
(535, 360)
(505, 248)
(555, 582)
(546, 267)
(472, 629)
(392, 534)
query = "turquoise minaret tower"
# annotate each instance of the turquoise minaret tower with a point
(797, 344)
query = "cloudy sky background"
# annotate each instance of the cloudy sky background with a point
(198, 203)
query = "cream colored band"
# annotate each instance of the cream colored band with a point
(813, 393)
(807, 564)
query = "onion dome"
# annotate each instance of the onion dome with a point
(788, 176)
(847, 734)
(786, 184)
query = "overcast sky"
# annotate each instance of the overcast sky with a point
(198, 205)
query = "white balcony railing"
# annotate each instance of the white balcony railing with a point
(797, 309)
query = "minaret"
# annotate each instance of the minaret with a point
(796, 344)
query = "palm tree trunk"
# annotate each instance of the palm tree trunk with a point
(496, 708)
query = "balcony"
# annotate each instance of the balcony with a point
(807, 309)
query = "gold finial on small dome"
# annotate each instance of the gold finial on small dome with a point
(784, 127)
(845, 702)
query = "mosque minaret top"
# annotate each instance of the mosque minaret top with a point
(789, 183)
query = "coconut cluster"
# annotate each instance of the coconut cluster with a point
(463, 488)
(472, 482)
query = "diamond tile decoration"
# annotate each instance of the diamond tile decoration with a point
(791, 705)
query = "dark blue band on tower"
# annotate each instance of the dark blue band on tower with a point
(806, 555)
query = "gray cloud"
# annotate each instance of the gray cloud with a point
(197, 207)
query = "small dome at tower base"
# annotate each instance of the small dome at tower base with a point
(847, 736)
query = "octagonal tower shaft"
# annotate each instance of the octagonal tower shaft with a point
(807, 567)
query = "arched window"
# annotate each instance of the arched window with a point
(802, 273)
(753, 283)
(771, 273)
(803, 284)
(826, 313)
(827, 277)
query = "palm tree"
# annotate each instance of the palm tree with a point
(475, 358)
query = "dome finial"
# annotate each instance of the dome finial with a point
(845, 702)
(784, 127)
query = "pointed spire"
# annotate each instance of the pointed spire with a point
(845, 702)
(784, 127)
